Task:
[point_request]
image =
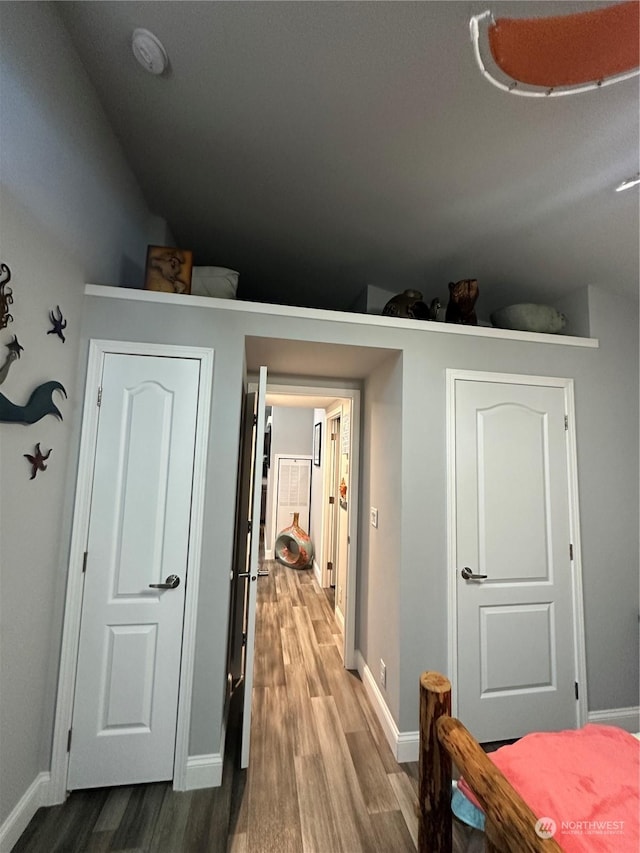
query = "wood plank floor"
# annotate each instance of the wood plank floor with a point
(321, 777)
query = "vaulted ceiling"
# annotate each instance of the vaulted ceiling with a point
(318, 147)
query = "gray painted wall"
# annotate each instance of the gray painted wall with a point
(378, 610)
(416, 636)
(70, 210)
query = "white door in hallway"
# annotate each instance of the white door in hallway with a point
(249, 575)
(128, 669)
(516, 657)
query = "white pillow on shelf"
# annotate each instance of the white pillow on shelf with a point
(219, 282)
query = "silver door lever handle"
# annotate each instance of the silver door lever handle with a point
(171, 583)
(468, 575)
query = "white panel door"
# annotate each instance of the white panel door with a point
(515, 637)
(127, 680)
(293, 492)
(253, 562)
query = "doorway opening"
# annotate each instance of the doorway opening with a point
(311, 465)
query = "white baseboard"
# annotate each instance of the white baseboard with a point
(625, 718)
(404, 745)
(268, 554)
(203, 771)
(317, 573)
(36, 795)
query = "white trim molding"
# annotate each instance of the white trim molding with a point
(203, 771)
(36, 795)
(624, 718)
(292, 312)
(404, 745)
(98, 349)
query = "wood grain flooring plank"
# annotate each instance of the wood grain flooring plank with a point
(375, 729)
(374, 783)
(291, 651)
(347, 803)
(390, 833)
(318, 685)
(76, 822)
(303, 724)
(171, 826)
(313, 602)
(340, 682)
(238, 843)
(268, 666)
(317, 820)
(273, 824)
(138, 822)
(322, 631)
(407, 801)
(113, 809)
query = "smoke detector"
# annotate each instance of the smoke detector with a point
(149, 51)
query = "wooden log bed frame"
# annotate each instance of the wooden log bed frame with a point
(510, 823)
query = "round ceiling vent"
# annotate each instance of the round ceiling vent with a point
(149, 51)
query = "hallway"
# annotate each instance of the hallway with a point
(321, 775)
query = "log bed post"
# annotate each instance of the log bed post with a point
(434, 830)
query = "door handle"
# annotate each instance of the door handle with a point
(171, 583)
(241, 575)
(468, 575)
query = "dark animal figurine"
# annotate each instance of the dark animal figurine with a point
(462, 298)
(37, 460)
(40, 403)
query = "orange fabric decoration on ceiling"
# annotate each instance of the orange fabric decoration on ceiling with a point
(568, 50)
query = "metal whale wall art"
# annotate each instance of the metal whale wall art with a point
(39, 404)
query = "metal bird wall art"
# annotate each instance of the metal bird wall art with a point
(37, 460)
(39, 404)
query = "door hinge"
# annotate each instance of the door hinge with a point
(255, 420)
(577, 691)
(570, 551)
(332, 500)
(69, 741)
(244, 638)
(249, 525)
(566, 421)
(99, 400)
(329, 567)
(84, 562)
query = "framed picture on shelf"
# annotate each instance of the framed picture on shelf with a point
(317, 443)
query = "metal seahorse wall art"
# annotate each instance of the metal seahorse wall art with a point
(6, 296)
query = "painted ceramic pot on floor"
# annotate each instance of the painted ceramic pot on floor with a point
(294, 547)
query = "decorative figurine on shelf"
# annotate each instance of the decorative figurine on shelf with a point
(6, 296)
(37, 460)
(59, 323)
(462, 298)
(410, 304)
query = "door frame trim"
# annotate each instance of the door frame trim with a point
(567, 385)
(275, 385)
(98, 349)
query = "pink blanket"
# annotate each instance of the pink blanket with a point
(586, 781)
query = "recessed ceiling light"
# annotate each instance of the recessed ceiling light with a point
(630, 182)
(149, 51)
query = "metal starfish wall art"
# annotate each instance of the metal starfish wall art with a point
(37, 460)
(59, 323)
